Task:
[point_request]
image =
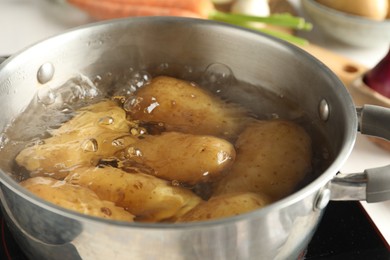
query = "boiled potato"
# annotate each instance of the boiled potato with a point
(75, 198)
(226, 205)
(272, 158)
(147, 197)
(59, 155)
(106, 115)
(373, 9)
(183, 157)
(185, 107)
(95, 132)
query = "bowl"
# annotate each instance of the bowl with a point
(347, 28)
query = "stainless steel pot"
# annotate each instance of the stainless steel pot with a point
(279, 231)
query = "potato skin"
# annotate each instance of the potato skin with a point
(373, 9)
(59, 155)
(91, 135)
(105, 115)
(272, 158)
(186, 158)
(185, 107)
(147, 197)
(226, 205)
(75, 198)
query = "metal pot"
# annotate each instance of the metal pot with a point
(281, 230)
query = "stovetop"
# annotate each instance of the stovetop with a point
(344, 233)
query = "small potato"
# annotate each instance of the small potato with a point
(185, 107)
(373, 9)
(226, 205)
(105, 115)
(147, 197)
(75, 198)
(272, 158)
(182, 157)
(97, 131)
(59, 155)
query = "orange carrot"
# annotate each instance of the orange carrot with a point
(107, 9)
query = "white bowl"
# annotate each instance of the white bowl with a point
(347, 28)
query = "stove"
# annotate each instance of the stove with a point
(345, 232)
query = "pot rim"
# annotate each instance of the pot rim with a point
(350, 133)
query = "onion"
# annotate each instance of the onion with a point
(378, 78)
(251, 7)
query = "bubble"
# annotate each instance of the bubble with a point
(66, 109)
(163, 67)
(139, 79)
(132, 103)
(134, 152)
(90, 145)
(142, 131)
(118, 142)
(149, 109)
(46, 96)
(85, 88)
(107, 120)
(130, 82)
(97, 80)
(3, 140)
(217, 76)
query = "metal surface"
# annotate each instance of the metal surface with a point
(45, 73)
(370, 118)
(279, 231)
(349, 186)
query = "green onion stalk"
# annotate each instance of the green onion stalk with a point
(285, 20)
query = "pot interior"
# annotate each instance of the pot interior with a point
(267, 76)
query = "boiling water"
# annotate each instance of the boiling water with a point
(51, 107)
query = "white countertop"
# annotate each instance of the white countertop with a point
(24, 22)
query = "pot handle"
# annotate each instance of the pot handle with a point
(372, 185)
(372, 121)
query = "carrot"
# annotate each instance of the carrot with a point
(107, 9)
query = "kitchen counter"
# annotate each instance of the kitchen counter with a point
(25, 22)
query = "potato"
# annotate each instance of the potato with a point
(59, 155)
(147, 197)
(75, 198)
(373, 9)
(185, 107)
(272, 158)
(96, 132)
(106, 115)
(182, 157)
(226, 205)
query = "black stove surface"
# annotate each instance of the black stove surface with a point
(344, 233)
